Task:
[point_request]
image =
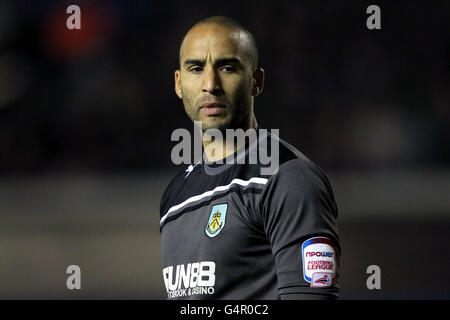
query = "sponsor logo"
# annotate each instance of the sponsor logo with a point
(190, 169)
(321, 279)
(190, 279)
(216, 220)
(319, 254)
(319, 261)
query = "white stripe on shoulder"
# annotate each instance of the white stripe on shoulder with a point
(209, 193)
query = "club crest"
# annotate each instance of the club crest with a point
(216, 220)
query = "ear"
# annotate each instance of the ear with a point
(178, 84)
(258, 82)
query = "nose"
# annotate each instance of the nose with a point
(211, 82)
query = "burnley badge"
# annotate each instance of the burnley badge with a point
(216, 220)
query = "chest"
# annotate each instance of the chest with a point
(224, 229)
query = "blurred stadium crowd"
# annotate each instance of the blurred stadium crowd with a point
(101, 98)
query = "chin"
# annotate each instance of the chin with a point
(221, 124)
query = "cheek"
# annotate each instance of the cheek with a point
(189, 102)
(242, 93)
(188, 97)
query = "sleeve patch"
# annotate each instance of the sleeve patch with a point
(319, 261)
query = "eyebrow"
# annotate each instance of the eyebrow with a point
(219, 62)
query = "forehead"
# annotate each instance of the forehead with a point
(212, 40)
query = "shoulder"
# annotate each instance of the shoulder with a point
(297, 175)
(294, 165)
(302, 172)
(299, 194)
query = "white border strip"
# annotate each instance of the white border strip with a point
(240, 182)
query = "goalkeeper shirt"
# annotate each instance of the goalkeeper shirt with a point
(230, 232)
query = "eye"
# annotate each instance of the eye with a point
(228, 69)
(196, 69)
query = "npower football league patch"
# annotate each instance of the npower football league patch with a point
(319, 261)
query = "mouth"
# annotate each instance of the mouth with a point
(212, 108)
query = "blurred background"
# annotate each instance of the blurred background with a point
(86, 117)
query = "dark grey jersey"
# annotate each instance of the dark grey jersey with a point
(229, 232)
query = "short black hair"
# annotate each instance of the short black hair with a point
(232, 24)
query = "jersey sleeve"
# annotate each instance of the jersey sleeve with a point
(299, 213)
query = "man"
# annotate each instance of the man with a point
(227, 230)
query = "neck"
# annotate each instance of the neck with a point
(217, 149)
